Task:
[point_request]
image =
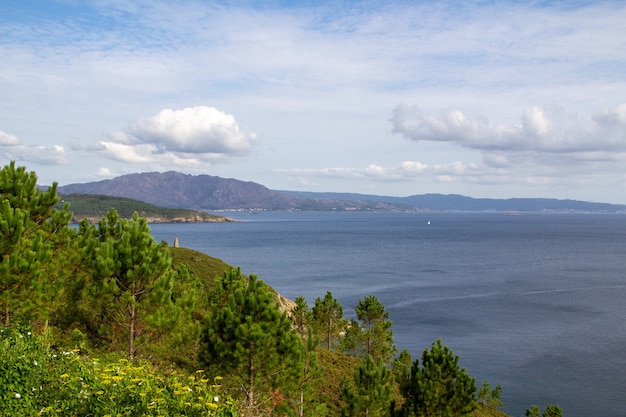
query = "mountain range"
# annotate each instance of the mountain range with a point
(211, 193)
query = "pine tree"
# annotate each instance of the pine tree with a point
(248, 337)
(370, 393)
(401, 365)
(309, 379)
(439, 387)
(490, 397)
(550, 411)
(553, 411)
(28, 227)
(376, 329)
(328, 319)
(301, 316)
(132, 281)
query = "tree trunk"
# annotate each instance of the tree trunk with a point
(250, 383)
(131, 332)
(330, 325)
(6, 313)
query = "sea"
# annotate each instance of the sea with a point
(533, 302)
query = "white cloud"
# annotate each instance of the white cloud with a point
(179, 137)
(105, 172)
(536, 132)
(12, 149)
(193, 130)
(7, 139)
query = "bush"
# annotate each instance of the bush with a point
(38, 380)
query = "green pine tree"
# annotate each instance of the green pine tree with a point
(490, 397)
(550, 411)
(301, 316)
(369, 395)
(29, 225)
(328, 321)
(438, 387)
(246, 336)
(376, 335)
(131, 283)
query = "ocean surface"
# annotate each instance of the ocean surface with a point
(535, 303)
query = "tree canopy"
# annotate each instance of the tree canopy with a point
(438, 386)
(248, 337)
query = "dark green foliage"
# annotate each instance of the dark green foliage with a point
(372, 336)
(29, 226)
(309, 380)
(97, 206)
(550, 411)
(301, 316)
(438, 386)
(533, 411)
(328, 319)
(247, 337)
(369, 395)
(553, 411)
(401, 365)
(131, 285)
(490, 397)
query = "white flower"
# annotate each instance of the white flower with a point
(216, 399)
(35, 363)
(17, 395)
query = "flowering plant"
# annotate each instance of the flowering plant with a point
(38, 380)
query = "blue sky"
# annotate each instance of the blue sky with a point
(487, 99)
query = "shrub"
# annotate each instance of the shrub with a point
(38, 380)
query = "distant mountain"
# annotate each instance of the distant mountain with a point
(455, 202)
(176, 190)
(210, 193)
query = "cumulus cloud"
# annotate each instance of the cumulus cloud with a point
(537, 130)
(11, 148)
(184, 136)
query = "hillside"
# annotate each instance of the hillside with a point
(336, 365)
(211, 193)
(455, 202)
(94, 207)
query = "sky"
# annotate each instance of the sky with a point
(488, 99)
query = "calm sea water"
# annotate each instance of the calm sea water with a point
(534, 303)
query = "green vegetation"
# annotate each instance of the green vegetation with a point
(438, 386)
(550, 411)
(94, 206)
(248, 338)
(102, 320)
(38, 380)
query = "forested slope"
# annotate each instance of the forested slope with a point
(103, 320)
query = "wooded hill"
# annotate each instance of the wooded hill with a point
(103, 320)
(94, 207)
